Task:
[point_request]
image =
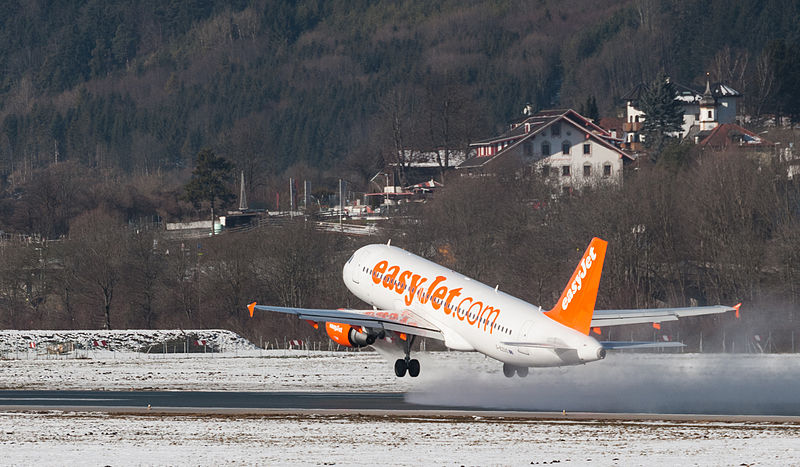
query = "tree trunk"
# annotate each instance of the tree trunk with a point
(107, 307)
(212, 217)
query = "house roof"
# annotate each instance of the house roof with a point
(536, 123)
(611, 123)
(729, 134)
(687, 94)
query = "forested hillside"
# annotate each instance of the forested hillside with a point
(140, 87)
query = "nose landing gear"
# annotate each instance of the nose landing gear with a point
(401, 365)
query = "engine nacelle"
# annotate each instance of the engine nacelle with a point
(349, 336)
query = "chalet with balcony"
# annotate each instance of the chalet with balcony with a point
(559, 144)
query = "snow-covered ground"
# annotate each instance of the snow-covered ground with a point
(54, 438)
(14, 343)
(275, 370)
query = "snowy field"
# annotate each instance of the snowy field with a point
(666, 383)
(54, 438)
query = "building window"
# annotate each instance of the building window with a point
(709, 114)
(587, 148)
(528, 146)
(697, 117)
(637, 119)
(565, 171)
(607, 170)
(555, 129)
(565, 147)
(545, 148)
(587, 171)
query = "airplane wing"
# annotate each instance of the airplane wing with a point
(403, 321)
(654, 315)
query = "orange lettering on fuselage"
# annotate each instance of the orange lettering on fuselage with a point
(441, 297)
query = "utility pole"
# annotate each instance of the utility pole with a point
(341, 202)
(242, 195)
(291, 197)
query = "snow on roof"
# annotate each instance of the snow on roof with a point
(429, 158)
(686, 94)
(719, 89)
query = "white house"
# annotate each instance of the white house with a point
(702, 110)
(558, 144)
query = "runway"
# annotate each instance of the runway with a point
(378, 404)
(207, 400)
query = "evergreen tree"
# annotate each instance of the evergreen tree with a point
(785, 62)
(662, 114)
(590, 111)
(208, 181)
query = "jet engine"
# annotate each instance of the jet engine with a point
(351, 336)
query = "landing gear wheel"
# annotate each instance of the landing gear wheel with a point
(413, 368)
(508, 370)
(522, 371)
(400, 368)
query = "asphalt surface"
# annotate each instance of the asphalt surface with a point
(207, 400)
(305, 403)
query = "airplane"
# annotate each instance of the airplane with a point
(414, 297)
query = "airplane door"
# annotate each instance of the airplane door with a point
(355, 269)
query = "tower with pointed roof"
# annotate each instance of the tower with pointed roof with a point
(708, 109)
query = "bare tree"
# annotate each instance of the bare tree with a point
(399, 110)
(143, 271)
(101, 241)
(764, 86)
(449, 118)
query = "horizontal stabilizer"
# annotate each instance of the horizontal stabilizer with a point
(654, 315)
(622, 345)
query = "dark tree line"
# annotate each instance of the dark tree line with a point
(142, 87)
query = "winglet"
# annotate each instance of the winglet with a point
(736, 307)
(575, 307)
(252, 308)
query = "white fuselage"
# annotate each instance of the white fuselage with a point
(471, 315)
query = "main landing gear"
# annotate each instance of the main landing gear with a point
(407, 364)
(509, 370)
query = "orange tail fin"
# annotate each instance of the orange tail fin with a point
(576, 305)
